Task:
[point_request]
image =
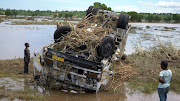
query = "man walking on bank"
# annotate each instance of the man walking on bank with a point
(26, 58)
(164, 81)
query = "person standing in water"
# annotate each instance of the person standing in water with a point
(26, 58)
(164, 81)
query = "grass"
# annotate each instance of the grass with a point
(147, 63)
(148, 27)
(14, 67)
(172, 28)
(27, 94)
(1, 20)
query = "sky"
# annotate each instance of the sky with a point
(140, 6)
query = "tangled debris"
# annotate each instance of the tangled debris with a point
(87, 34)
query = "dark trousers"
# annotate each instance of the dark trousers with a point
(163, 93)
(26, 66)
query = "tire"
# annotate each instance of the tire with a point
(106, 48)
(93, 10)
(125, 22)
(120, 20)
(89, 10)
(63, 30)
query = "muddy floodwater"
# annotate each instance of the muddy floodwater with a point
(21, 84)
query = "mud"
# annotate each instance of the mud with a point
(26, 85)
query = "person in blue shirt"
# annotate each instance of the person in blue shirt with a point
(164, 81)
(26, 58)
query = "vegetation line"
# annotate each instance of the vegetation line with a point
(135, 17)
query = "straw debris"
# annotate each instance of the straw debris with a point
(88, 32)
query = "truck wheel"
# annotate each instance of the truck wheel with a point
(93, 10)
(125, 22)
(120, 20)
(106, 48)
(89, 10)
(63, 30)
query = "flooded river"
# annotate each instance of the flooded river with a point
(13, 38)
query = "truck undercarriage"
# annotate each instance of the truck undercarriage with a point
(83, 66)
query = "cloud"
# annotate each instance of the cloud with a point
(170, 4)
(59, 1)
(145, 3)
(69, 8)
(126, 8)
(161, 6)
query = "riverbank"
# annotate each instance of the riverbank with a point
(46, 20)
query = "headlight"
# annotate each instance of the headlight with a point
(99, 76)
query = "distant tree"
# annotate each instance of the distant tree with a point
(14, 12)
(109, 8)
(35, 13)
(157, 18)
(1, 13)
(167, 18)
(55, 15)
(134, 15)
(8, 12)
(25, 14)
(140, 17)
(97, 4)
(150, 17)
(71, 15)
(60, 15)
(101, 6)
(176, 17)
(66, 15)
(48, 11)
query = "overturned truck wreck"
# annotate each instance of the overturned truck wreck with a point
(81, 57)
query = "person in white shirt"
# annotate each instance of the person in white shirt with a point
(164, 81)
